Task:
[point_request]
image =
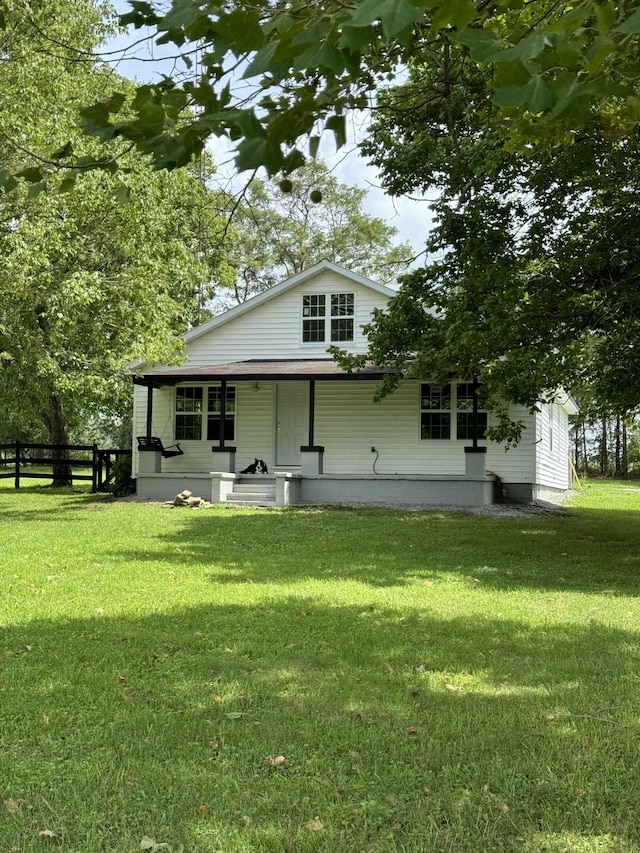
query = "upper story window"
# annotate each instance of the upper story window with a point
(327, 317)
(438, 403)
(198, 408)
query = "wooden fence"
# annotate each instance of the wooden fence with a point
(18, 459)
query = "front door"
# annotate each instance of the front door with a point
(292, 421)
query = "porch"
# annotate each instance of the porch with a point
(314, 424)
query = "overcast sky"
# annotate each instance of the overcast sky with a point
(411, 217)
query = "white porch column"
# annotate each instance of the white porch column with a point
(224, 459)
(149, 461)
(311, 459)
(474, 461)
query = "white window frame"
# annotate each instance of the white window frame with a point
(206, 411)
(329, 316)
(453, 411)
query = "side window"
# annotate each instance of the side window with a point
(464, 413)
(435, 411)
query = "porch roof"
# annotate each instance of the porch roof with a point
(253, 370)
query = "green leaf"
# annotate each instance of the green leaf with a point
(455, 13)
(35, 189)
(255, 152)
(314, 145)
(7, 181)
(67, 185)
(482, 46)
(395, 15)
(631, 25)
(242, 28)
(233, 715)
(262, 62)
(32, 174)
(338, 125)
(536, 95)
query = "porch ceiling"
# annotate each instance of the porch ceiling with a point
(253, 370)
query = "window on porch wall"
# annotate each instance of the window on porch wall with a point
(193, 403)
(437, 405)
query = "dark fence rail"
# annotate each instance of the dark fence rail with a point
(18, 456)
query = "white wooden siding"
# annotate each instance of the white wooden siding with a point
(552, 465)
(274, 330)
(347, 423)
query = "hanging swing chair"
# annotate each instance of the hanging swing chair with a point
(152, 442)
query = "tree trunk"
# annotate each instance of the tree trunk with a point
(585, 453)
(62, 475)
(604, 453)
(625, 456)
(617, 436)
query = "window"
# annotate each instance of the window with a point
(320, 325)
(189, 414)
(341, 317)
(214, 411)
(190, 408)
(435, 411)
(464, 413)
(438, 402)
(313, 318)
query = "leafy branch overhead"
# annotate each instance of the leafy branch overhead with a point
(273, 77)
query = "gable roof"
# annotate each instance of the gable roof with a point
(278, 290)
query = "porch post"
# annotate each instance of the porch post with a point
(311, 454)
(312, 409)
(474, 464)
(224, 457)
(223, 410)
(149, 458)
(149, 409)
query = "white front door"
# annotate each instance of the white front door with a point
(292, 421)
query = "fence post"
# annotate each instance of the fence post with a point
(17, 480)
(94, 481)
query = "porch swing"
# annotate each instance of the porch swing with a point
(153, 442)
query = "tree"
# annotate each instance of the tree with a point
(303, 65)
(533, 282)
(280, 228)
(92, 279)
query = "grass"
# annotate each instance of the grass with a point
(367, 681)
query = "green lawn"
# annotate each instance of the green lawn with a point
(349, 680)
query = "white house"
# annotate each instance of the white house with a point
(258, 384)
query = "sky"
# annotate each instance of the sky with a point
(135, 56)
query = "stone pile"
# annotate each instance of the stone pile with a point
(186, 498)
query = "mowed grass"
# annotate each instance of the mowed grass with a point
(356, 680)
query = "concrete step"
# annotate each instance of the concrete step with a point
(251, 496)
(242, 500)
(254, 488)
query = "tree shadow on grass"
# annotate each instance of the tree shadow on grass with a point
(594, 551)
(413, 731)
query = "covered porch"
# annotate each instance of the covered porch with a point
(314, 425)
